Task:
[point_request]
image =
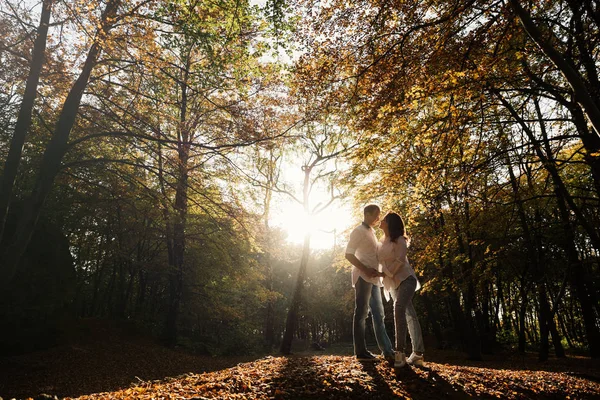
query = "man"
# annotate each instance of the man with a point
(366, 280)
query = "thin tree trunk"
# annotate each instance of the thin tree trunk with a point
(569, 71)
(292, 315)
(531, 256)
(550, 166)
(433, 318)
(499, 303)
(579, 274)
(270, 312)
(483, 322)
(522, 317)
(169, 324)
(141, 297)
(589, 139)
(544, 323)
(566, 333)
(271, 176)
(471, 339)
(180, 214)
(559, 350)
(455, 311)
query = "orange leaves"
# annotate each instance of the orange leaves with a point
(342, 377)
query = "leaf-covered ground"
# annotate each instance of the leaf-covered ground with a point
(342, 377)
(108, 361)
(309, 376)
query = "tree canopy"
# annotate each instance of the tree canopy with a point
(147, 138)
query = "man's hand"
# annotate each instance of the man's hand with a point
(376, 274)
(371, 273)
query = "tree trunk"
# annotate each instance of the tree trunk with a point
(456, 314)
(483, 322)
(141, 297)
(532, 253)
(499, 303)
(471, 337)
(54, 153)
(292, 315)
(522, 328)
(180, 215)
(271, 180)
(23, 124)
(270, 311)
(568, 69)
(544, 323)
(550, 166)
(579, 273)
(559, 350)
(433, 318)
(170, 331)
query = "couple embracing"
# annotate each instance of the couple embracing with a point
(384, 264)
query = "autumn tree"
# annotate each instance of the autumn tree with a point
(423, 84)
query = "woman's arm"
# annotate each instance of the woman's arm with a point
(386, 270)
(400, 250)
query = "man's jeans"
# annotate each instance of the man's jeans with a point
(405, 314)
(369, 296)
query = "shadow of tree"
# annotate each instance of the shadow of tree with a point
(344, 378)
(297, 379)
(584, 367)
(424, 383)
(418, 384)
(475, 379)
(384, 391)
(303, 378)
(99, 366)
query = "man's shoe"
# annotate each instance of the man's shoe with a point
(399, 360)
(390, 358)
(415, 359)
(366, 357)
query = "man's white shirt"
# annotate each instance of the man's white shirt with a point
(363, 244)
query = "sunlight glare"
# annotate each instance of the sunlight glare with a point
(324, 227)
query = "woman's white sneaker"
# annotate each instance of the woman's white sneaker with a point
(415, 359)
(399, 360)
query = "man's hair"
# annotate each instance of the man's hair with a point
(371, 209)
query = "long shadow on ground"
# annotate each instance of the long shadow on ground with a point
(328, 377)
(75, 370)
(88, 369)
(337, 377)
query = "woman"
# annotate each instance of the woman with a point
(400, 281)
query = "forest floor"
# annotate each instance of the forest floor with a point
(118, 367)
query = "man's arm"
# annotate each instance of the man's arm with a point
(370, 272)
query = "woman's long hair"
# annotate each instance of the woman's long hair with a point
(395, 226)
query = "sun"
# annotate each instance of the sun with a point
(326, 228)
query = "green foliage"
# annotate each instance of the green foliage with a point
(455, 118)
(416, 83)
